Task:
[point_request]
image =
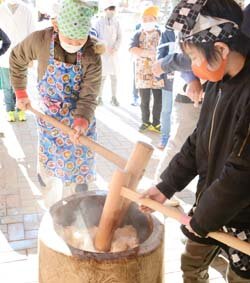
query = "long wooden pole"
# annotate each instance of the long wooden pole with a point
(111, 211)
(135, 169)
(106, 153)
(176, 214)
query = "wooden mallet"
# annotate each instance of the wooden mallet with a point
(115, 200)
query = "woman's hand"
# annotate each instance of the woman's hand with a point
(154, 194)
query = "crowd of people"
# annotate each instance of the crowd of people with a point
(207, 42)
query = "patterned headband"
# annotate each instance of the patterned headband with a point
(187, 19)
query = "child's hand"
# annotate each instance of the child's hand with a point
(194, 92)
(23, 103)
(148, 53)
(80, 126)
(157, 69)
(79, 131)
(154, 194)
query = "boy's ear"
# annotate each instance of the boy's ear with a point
(222, 48)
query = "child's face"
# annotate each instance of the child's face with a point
(148, 19)
(214, 71)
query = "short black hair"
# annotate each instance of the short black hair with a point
(225, 9)
(111, 8)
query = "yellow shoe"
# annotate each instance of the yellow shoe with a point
(156, 129)
(21, 116)
(11, 116)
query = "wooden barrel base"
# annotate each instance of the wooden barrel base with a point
(61, 263)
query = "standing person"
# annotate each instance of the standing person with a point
(109, 31)
(144, 46)
(166, 47)
(69, 73)
(17, 20)
(218, 150)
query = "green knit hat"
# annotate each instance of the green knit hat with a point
(74, 18)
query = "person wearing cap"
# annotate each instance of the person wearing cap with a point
(218, 151)
(69, 74)
(109, 31)
(144, 46)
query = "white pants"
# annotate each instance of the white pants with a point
(55, 190)
(184, 120)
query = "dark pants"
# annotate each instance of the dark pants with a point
(195, 262)
(145, 94)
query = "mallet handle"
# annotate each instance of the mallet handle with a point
(176, 214)
(106, 153)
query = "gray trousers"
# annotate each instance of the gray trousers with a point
(195, 262)
(113, 80)
(184, 119)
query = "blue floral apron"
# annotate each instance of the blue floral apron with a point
(59, 91)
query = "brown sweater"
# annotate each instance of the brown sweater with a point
(37, 47)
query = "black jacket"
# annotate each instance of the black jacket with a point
(219, 152)
(5, 42)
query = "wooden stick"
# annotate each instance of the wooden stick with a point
(176, 214)
(135, 167)
(111, 211)
(106, 153)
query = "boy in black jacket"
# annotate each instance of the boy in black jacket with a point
(219, 148)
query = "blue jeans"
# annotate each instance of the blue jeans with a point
(167, 102)
(135, 90)
(9, 96)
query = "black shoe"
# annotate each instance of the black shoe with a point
(80, 188)
(114, 101)
(40, 180)
(144, 127)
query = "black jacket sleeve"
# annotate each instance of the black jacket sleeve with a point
(181, 170)
(5, 42)
(229, 195)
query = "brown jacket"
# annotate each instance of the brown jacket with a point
(37, 47)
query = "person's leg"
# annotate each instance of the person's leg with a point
(157, 106)
(99, 99)
(51, 187)
(135, 101)
(145, 101)
(195, 261)
(165, 117)
(232, 277)
(9, 96)
(114, 100)
(184, 119)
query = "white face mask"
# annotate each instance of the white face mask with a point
(70, 48)
(148, 26)
(110, 14)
